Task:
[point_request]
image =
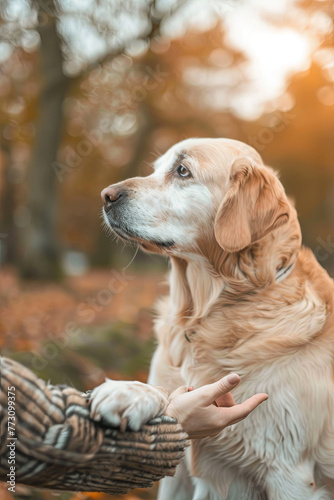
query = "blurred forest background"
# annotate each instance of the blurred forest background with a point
(91, 92)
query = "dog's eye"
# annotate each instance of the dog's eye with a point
(183, 171)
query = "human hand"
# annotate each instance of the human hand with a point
(208, 410)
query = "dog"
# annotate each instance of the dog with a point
(245, 297)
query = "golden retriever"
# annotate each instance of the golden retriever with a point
(245, 296)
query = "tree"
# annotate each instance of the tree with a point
(40, 248)
(205, 78)
(40, 252)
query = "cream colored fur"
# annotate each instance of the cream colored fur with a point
(226, 312)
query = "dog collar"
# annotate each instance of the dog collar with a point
(188, 334)
(283, 272)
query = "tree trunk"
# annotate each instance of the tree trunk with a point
(40, 252)
(8, 231)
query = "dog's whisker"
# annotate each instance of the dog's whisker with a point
(133, 258)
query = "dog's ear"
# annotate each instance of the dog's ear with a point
(254, 205)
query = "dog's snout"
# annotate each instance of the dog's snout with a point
(110, 195)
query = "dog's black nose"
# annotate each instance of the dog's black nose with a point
(110, 195)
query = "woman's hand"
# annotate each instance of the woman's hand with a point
(208, 410)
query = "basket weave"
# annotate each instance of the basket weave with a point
(59, 447)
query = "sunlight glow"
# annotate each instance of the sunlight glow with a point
(276, 37)
(274, 54)
(274, 51)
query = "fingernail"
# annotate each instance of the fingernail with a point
(233, 378)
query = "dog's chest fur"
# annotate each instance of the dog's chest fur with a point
(271, 326)
(274, 341)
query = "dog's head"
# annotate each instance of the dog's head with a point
(202, 190)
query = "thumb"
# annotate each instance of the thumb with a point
(209, 393)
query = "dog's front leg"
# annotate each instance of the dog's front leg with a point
(162, 373)
(180, 486)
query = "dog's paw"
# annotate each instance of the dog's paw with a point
(121, 403)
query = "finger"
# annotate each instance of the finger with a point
(225, 400)
(211, 392)
(241, 411)
(178, 392)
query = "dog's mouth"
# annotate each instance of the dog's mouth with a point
(127, 234)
